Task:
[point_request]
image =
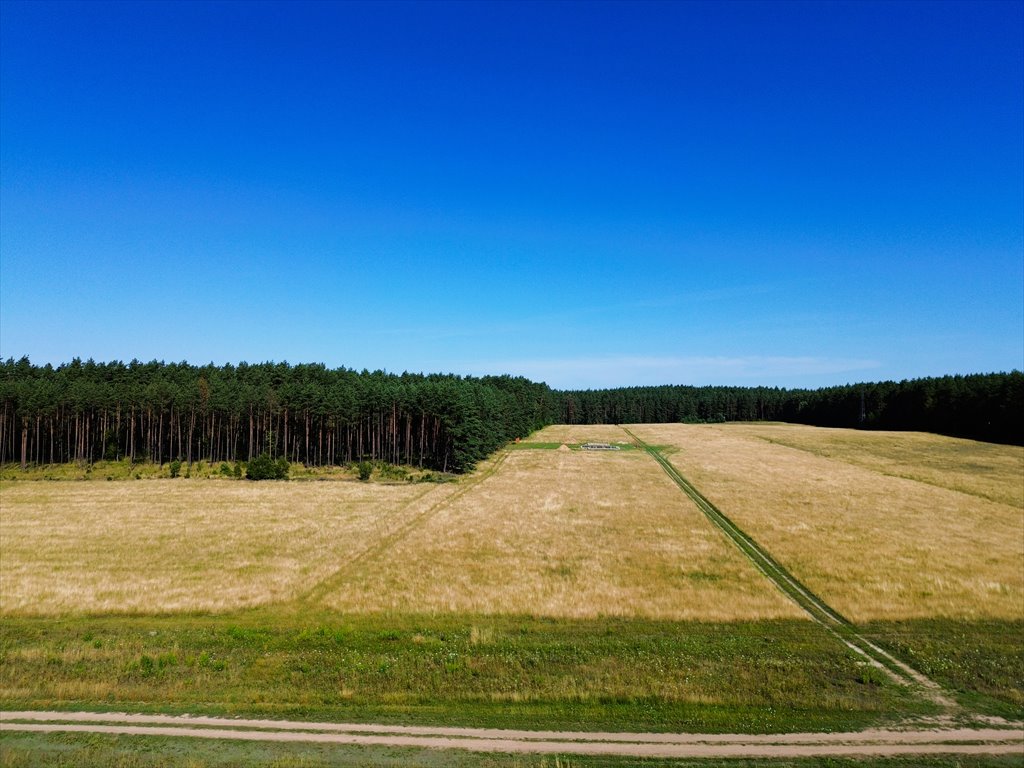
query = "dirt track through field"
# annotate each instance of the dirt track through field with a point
(814, 606)
(959, 741)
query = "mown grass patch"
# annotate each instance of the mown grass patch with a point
(982, 661)
(511, 672)
(28, 750)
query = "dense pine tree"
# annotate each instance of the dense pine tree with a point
(305, 413)
(983, 406)
(314, 415)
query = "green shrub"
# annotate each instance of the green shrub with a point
(175, 468)
(365, 469)
(225, 469)
(265, 468)
(871, 676)
(391, 471)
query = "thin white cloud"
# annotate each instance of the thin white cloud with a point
(625, 371)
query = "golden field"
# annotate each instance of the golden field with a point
(579, 433)
(539, 532)
(990, 471)
(184, 545)
(881, 525)
(566, 534)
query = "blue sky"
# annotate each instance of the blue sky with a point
(587, 194)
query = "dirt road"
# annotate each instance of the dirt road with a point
(960, 741)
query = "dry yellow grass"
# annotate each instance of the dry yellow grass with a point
(994, 472)
(579, 433)
(882, 525)
(872, 544)
(179, 545)
(567, 534)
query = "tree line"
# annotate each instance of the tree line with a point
(986, 407)
(161, 412)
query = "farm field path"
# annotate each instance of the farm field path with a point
(790, 586)
(881, 527)
(875, 742)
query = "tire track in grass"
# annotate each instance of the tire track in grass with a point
(338, 577)
(815, 607)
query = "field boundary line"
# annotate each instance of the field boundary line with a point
(814, 606)
(328, 584)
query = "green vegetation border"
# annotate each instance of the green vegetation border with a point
(602, 674)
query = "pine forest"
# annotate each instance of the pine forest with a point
(160, 412)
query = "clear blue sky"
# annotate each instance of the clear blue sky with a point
(586, 194)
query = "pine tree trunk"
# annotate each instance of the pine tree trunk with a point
(24, 441)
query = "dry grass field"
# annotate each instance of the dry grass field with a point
(579, 433)
(990, 471)
(547, 533)
(566, 534)
(185, 545)
(882, 525)
(829, 506)
(548, 588)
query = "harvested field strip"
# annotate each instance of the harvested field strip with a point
(815, 607)
(875, 742)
